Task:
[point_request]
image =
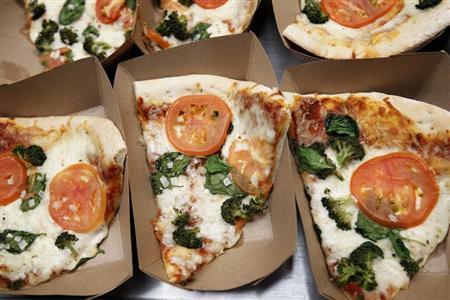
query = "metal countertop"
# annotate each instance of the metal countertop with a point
(293, 280)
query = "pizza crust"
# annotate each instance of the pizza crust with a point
(420, 27)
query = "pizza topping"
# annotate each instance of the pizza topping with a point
(200, 31)
(210, 4)
(424, 4)
(218, 180)
(78, 198)
(174, 24)
(313, 159)
(68, 36)
(16, 241)
(198, 124)
(347, 149)
(252, 161)
(240, 208)
(387, 186)
(339, 209)
(314, 12)
(37, 183)
(36, 9)
(357, 268)
(341, 125)
(108, 11)
(375, 232)
(46, 36)
(13, 178)
(186, 237)
(71, 11)
(171, 164)
(67, 240)
(96, 48)
(356, 14)
(156, 38)
(33, 154)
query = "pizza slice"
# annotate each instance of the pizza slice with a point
(376, 168)
(213, 145)
(68, 30)
(344, 29)
(186, 21)
(61, 180)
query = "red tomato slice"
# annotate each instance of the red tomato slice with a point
(198, 124)
(208, 4)
(252, 161)
(395, 190)
(13, 178)
(78, 198)
(356, 13)
(108, 11)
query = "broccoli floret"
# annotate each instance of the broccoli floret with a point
(46, 36)
(90, 30)
(16, 284)
(338, 209)
(233, 208)
(313, 159)
(347, 148)
(181, 219)
(96, 48)
(410, 266)
(175, 25)
(341, 125)
(357, 267)
(185, 2)
(68, 36)
(423, 4)
(33, 154)
(200, 31)
(36, 9)
(314, 13)
(187, 237)
(66, 239)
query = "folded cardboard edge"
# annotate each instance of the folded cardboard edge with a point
(122, 268)
(317, 261)
(147, 13)
(149, 263)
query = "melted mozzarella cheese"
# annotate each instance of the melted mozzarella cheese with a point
(39, 262)
(421, 240)
(113, 34)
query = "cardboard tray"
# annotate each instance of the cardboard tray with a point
(18, 56)
(268, 240)
(422, 76)
(69, 89)
(286, 12)
(150, 14)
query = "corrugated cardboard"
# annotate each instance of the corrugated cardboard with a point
(18, 56)
(286, 12)
(76, 87)
(423, 77)
(268, 240)
(151, 14)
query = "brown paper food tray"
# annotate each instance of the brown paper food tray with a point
(18, 56)
(149, 13)
(422, 76)
(286, 12)
(268, 240)
(64, 91)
